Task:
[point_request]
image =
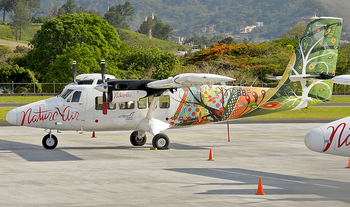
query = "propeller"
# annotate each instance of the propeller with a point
(74, 70)
(105, 87)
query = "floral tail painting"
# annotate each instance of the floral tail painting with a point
(305, 82)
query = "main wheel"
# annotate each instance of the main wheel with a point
(161, 141)
(50, 142)
(136, 141)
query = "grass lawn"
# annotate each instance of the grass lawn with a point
(22, 99)
(340, 99)
(312, 112)
(3, 112)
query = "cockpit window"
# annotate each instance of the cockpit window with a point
(75, 97)
(66, 93)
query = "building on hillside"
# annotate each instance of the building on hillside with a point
(304, 20)
(209, 29)
(177, 39)
(247, 29)
(259, 24)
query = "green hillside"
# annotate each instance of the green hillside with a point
(134, 38)
(224, 17)
(27, 34)
(126, 36)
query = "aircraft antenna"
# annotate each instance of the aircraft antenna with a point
(74, 70)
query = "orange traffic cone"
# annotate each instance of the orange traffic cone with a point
(348, 164)
(211, 155)
(93, 135)
(260, 188)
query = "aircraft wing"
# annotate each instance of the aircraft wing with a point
(189, 79)
(342, 79)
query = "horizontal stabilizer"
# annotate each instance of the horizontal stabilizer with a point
(342, 79)
(323, 76)
(189, 79)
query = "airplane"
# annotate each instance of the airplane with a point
(331, 138)
(94, 103)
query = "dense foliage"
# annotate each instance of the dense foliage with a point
(260, 60)
(138, 62)
(72, 34)
(16, 74)
(119, 15)
(159, 29)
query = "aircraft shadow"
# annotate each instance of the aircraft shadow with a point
(148, 145)
(35, 153)
(283, 184)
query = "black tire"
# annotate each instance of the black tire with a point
(50, 143)
(135, 141)
(161, 141)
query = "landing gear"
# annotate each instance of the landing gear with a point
(138, 138)
(161, 141)
(50, 141)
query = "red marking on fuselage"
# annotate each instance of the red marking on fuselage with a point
(122, 95)
(334, 131)
(49, 115)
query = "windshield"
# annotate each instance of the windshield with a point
(66, 93)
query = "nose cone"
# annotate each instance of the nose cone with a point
(11, 117)
(314, 140)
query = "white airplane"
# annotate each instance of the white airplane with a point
(109, 104)
(332, 138)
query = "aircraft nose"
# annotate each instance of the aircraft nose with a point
(11, 117)
(314, 140)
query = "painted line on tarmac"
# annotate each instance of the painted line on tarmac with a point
(118, 137)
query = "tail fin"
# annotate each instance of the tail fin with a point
(308, 74)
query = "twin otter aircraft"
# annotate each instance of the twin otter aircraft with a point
(94, 104)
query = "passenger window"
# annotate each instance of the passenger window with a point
(164, 102)
(99, 103)
(127, 105)
(142, 103)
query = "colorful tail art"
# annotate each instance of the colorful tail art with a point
(305, 82)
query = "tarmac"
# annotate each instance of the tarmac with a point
(108, 171)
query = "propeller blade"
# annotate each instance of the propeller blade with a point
(105, 88)
(103, 70)
(104, 104)
(74, 70)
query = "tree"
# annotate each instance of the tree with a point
(113, 18)
(71, 34)
(295, 32)
(139, 62)
(80, 10)
(228, 40)
(118, 15)
(51, 12)
(162, 31)
(67, 8)
(159, 29)
(20, 18)
(6, 6)
(127, 12)
(17, 74)
(198, 41)
(33, 7)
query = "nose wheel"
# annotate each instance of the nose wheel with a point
(138, 140)
(49, 141)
